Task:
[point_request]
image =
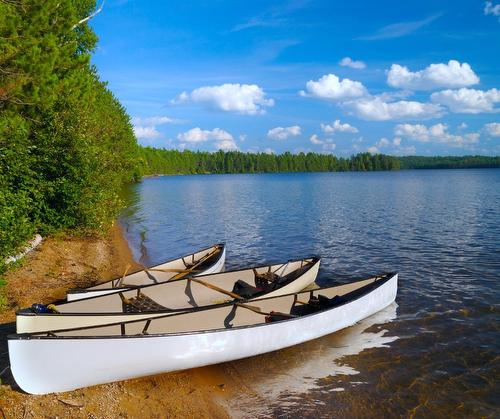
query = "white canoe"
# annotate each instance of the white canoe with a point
(67, 360)
(203, 262)
(172, 297)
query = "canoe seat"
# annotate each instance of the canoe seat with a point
(246, 290)
(141, 303)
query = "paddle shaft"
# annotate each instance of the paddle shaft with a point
(216, 288)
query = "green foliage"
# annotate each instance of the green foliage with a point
(159, 161)
(449, 162)
(66, 143)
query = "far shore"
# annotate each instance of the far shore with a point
(44, 276)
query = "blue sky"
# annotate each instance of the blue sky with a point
(306, 75)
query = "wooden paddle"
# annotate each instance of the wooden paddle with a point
(216, 288)
(191, 269)
(181, 273)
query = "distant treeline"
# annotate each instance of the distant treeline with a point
(449, 162)
(160, 161)
(66, 143)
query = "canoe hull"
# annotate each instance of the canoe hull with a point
(49, 365)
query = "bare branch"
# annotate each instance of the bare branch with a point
(90, 16)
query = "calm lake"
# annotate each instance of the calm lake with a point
(435, 352)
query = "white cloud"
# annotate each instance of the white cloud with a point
(327, 145)
(435, 76)
(332, 88)
(349, 62)
(489, 9)
(315, 139)
(394, 146)
(154, 120)
(493, 129)
(269, 151)
(376, 109)
(406, 151)
(338, 126)
(463, 125)
(145, 128)
(226, 145)
(436, 133)
(146, 133)
(383, 142)
(282, 133)
(223, 140)
(468, 100)
(247, 99)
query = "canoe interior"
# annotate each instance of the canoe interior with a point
(184, 293)
(208, 256)
(232, 315)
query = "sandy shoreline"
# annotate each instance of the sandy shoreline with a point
(45, 275)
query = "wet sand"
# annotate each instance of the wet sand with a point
(45, 275)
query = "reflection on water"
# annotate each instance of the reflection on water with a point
(283, 377)
(439, 229)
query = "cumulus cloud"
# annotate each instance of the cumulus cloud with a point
(145, 128)
(450, 75)
(330, 87)
(436, 133)
(337, 126)
(247, 99)
(468, 100)
(327, 145)
(376, 109)
(393, 147)
(490, 9)
(223, 140)
(282, 133)
(349, 62)
(315, 139)
(493, 129)
(146, 133)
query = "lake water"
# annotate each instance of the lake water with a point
(434, 353)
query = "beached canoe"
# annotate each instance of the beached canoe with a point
(62, 361)
(203, 262)
(170, 297)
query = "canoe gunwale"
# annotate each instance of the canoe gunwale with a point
(380, 280)
(28, 312)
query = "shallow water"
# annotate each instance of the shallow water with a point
(435, 352)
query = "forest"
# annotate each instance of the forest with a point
(160, 161)
(449, 162)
